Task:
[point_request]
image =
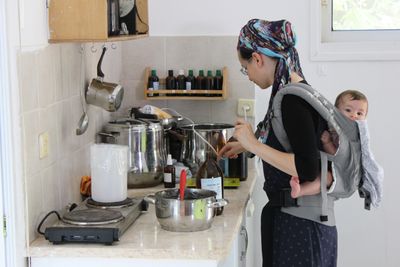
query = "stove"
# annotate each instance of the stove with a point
(95, 222)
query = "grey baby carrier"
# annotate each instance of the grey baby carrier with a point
(346, 163)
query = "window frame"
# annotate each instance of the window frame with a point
(326, 45)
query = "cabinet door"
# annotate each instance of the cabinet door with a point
(246, 237)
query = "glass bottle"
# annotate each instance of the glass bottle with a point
(169, 173)
(218, 81)
(170, 82)
(113, 17)
(200, 80)
(153, 83)
(190, 80)
(181, 81)
(210, 176)
(208, 84)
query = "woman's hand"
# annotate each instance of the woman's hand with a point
(244, 135)
(230, 150)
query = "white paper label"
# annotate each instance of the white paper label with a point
(214, 184)
(156, 85)
(168, 177)
(188, 86)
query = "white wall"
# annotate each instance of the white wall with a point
(366, 238)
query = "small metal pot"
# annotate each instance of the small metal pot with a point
(104, 94)
(194, 213)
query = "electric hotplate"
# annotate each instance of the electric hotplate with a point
(95, 222)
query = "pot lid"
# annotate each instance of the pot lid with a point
(126, 123)
(208, 126)
(190, 194)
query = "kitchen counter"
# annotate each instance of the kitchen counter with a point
(145, 239)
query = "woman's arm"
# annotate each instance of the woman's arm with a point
(300, 122)
(248, 142)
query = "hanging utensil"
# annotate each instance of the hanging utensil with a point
(103, 94)
(83, 122)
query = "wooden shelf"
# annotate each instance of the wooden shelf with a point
(86, 21)
(198, 94)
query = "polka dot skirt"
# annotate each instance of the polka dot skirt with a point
(299, 242)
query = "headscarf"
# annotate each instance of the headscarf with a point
(275, 39)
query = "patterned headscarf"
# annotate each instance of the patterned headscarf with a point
(275, 39)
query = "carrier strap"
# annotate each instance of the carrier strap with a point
(324, 179)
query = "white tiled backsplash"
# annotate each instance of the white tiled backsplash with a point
(50, 87)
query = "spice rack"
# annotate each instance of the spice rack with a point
(197, 94)
(86, 21)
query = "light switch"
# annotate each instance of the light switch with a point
(43, 145)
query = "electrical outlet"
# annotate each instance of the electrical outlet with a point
(43, 145)
(247, 104)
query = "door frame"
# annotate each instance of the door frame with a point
(12, 198)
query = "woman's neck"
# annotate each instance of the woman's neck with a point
(295, 78)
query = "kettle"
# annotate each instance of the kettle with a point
(103, 94)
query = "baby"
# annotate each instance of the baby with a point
(354, 105)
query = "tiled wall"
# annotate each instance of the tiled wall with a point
(50, 84)
(164, 53)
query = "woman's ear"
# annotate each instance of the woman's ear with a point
(257, 58)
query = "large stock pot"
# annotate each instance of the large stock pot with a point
(146, 144)
(194, 149)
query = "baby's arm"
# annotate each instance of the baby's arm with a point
(327, 144)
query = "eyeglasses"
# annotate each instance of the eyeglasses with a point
(243, 70)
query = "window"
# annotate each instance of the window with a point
(365, 15)
(355, 29)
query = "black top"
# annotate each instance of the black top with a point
(303, 126)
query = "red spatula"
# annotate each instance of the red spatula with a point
(182, 184)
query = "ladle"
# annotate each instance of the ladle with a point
(83, 122)
(182, 185)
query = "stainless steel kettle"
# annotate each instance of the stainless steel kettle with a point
(103, 94)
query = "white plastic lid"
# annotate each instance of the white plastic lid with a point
(169, 159)
(181, 72)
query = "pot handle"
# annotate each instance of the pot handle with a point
(100, 73)
(218, 204)
(150, 199)
(107, 135)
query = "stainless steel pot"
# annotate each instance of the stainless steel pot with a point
(104, 94)
(194, 213)
(145, 141)
(194, 149)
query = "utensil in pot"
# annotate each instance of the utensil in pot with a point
(198, 206)
(103, 94)
(182, 184)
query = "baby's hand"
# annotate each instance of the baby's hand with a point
(326, 137)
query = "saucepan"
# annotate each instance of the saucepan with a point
(104, 94)
(194, 213)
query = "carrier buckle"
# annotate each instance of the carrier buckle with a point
(286, 199)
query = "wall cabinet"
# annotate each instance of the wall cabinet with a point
(87, 21)
(198, 94)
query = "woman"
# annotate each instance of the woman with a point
(267, 54)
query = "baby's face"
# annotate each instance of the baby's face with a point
(353, 109)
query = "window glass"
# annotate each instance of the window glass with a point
(365, 15)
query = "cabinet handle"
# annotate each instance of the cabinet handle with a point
(243, 231)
